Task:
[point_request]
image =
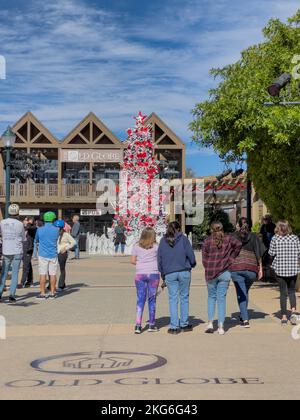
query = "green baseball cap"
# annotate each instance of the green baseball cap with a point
(50, 216)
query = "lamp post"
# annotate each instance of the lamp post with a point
(8, 138)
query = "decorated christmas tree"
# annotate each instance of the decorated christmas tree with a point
(140, 202)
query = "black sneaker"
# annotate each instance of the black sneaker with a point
(41, 297)
(138, 329)
(12, 299)
(174, 331)
(284, 322)
(245, 324)
(187, 328)
(52, 296)
(152, 328)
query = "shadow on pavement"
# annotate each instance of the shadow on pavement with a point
(76, 286)
(234, 321)
(165, 321)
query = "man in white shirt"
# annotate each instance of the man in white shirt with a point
(13, 236)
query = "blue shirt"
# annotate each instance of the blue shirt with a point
(47, 237)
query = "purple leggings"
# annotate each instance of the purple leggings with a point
(146, 286)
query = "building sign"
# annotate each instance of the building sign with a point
(29, 212)
(91, 155)
(90, 212)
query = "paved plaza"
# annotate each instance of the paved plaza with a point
(82, 346)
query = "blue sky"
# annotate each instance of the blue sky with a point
(68, 57)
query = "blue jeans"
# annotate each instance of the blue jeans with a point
(243, 281)
(13, 262)
(76, 248)
(122, 248)
(179, 287)
(217, 291)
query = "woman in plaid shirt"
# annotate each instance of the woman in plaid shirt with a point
(218, 253)
(285, 248)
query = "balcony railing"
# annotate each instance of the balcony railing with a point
(31, 192)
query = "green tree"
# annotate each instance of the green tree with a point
(235, 122)
(211, 215)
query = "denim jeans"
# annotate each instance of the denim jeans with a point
(122, 248)
(243, 281)
(217, 291)
(13, 262)
(76, 248)
(179, 288)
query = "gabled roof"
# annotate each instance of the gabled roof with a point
(91, 131)
(30, 131)
(163, 135)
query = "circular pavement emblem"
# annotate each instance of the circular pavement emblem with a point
(98, 363)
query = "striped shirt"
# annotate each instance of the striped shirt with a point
(286, 250)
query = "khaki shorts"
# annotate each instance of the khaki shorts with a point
(48, 266)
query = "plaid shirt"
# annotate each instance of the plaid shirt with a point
(286, 250)
(217, 260)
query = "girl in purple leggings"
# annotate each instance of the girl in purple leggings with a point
(144, 257)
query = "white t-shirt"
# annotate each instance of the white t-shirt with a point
(13, 236)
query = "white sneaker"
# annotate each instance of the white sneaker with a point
(221, 330)
(209, 328)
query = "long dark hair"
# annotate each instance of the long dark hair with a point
(173, 228)
(217, 231)
(244, 228)
(61, 234)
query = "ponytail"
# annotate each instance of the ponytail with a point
(61, 234)
(217, 232)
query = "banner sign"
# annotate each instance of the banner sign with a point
(90, 212)
(91, 155)
(29, 212)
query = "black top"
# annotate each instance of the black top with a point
(28, 244)
(251, 242)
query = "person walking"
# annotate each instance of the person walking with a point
(246, 267)
(285, 250)
(75, 232)
(218, 252)
(176, 259)
(28, 249)
(120, 238)
(47, 237)
(144, 257)
(13, 235)
(65, 243)
(267, 231)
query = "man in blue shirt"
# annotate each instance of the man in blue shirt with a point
(47, 237)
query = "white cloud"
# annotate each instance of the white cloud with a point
(66, 58)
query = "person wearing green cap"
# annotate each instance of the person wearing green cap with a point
(47, 237)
